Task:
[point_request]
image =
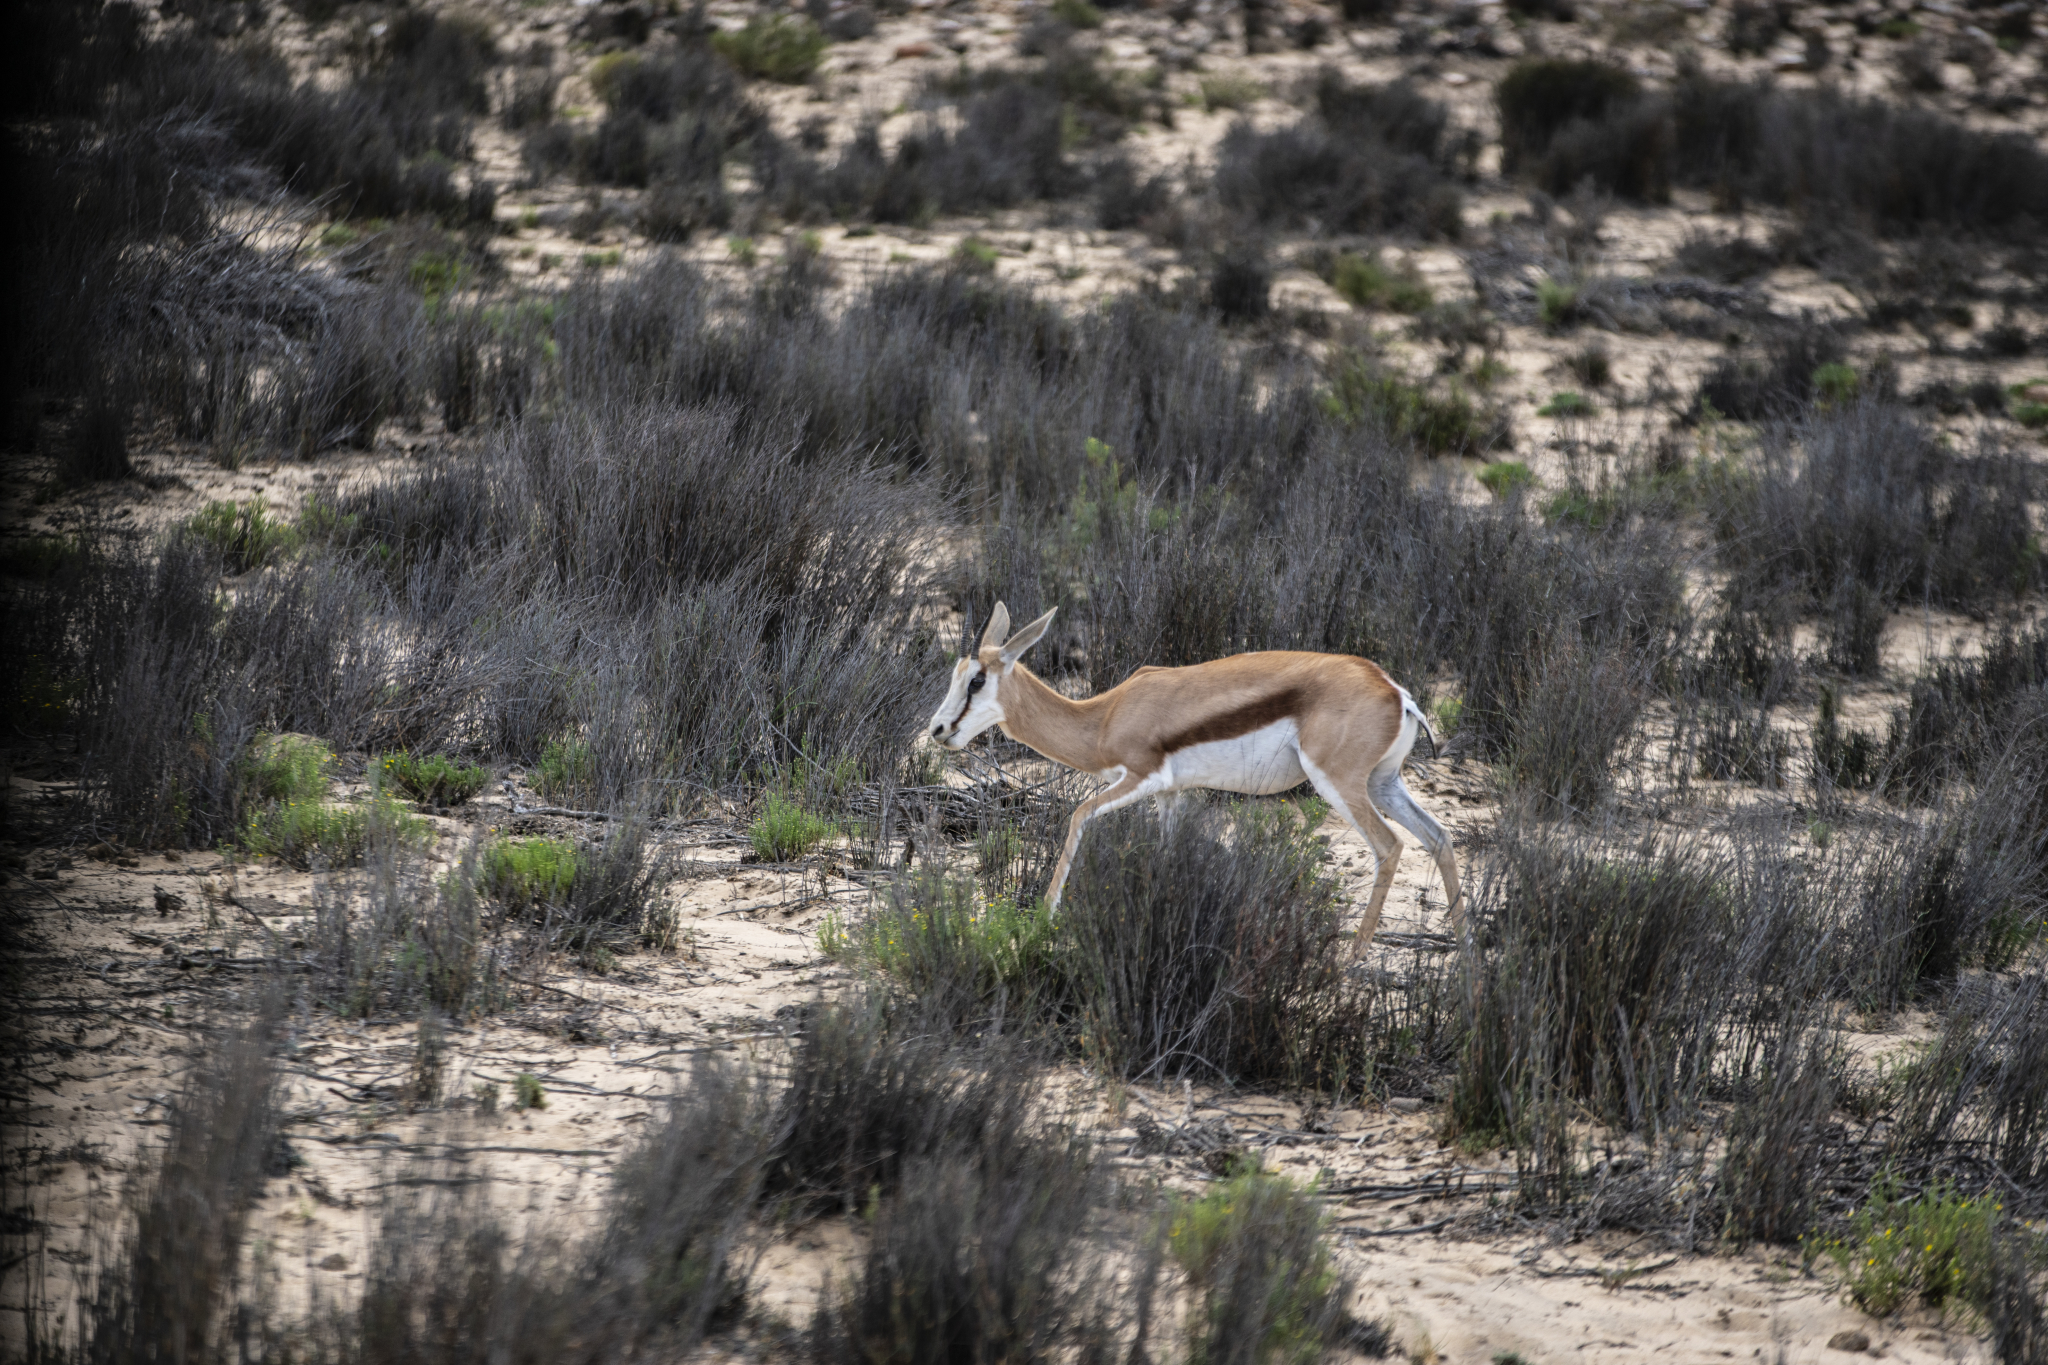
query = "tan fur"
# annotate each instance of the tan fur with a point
(1347, 712)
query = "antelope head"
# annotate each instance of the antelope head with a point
(974, 702)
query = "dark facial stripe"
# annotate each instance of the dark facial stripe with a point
(1232, 724)
(968, 700)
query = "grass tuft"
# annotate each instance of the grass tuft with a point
(1935, 1248)
(785, 831)
(780, 47)
(437, 780)
(528, 874)
(1253, 1251)
(244, 535)
(1366, 282)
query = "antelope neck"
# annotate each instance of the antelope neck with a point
(1065, 731)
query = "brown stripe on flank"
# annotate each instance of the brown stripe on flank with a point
(1232, 724)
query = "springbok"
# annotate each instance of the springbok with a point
(1253, 723)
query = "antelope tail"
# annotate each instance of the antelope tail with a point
(1408, 705)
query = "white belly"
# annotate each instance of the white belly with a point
(1258, 764)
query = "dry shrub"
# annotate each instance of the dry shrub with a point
(984, 1253)
(1779, 1151)
(1212, 947)
(1370, 159)
(871, 1092)
(173, 1289)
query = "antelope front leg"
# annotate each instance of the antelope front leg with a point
(1120, 792)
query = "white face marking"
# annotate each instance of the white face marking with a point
(970, 706)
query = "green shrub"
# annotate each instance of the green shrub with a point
(280, 768)
(1583, 507)
(301, 833)
(1077, 13)
(1936, 1247)
(2033, 416)
(1253, 1252)
(1366, 282)
(785, 830)
(436, 274)
(567, 768)
(742, 251)
(438, 780)
(1834, 384)
(1557, 303)
(526, 1092)
(1504, 477)
(1230, 92)
(245, 535)
(321, 522)
(779, 48)
(1567, 404)
(524, 873)
(39, 556)
(974, 256)
(41, 701)
(1441, 425)
(941, 940)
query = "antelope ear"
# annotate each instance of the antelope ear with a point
(1026, 638)
(998, 627)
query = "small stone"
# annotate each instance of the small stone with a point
(334, 1261)
(1848, 1341)
(1405, 1104)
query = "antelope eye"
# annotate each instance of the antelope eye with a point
(975, 685)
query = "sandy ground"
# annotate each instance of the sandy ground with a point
(124, 979)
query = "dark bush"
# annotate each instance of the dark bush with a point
(1778, 385)
(1371, 159)
(1778, 1160)
(530, 94)
(1213, 947)
(672, 117)
(1958, 891)
(1963, 716)
(1241, 281)
(983, 1254)
(1728, 260)
(752, 615)
(1123, 201)
(873, 1096)
(1543, 97)
(1858, 507)
(173, 1290)
(174, 683)
(675, 1255)
(670, 1263)
(1261, 1274)
(1827, 155)
(1007, 144)
(98, 446)
(1574, 712)
(1984, 1084)
(1599, 981)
